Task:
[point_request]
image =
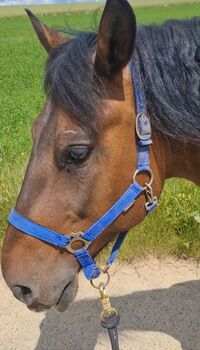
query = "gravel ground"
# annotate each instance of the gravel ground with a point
(159, 303)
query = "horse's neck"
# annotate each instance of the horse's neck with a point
(179, 159)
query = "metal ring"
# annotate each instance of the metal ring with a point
(104, 284)
(76, 237)
(147, 171)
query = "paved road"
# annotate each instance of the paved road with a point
(159, 303)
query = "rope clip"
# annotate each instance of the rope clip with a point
(152, 200)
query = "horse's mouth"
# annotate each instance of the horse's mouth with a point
(68, 295)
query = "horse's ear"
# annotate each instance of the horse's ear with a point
(48, 37)
(116, 37)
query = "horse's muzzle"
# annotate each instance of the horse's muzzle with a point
(32, 299)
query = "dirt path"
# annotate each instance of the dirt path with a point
(159, 303)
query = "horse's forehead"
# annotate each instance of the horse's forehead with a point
(50, 119)
(56, 119)
(55, 126)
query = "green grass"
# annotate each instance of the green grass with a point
(174, 228)
(8, 11)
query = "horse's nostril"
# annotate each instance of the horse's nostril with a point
(23, 294)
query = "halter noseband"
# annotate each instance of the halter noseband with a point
(123, 204)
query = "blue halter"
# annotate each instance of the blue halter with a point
(123, 204)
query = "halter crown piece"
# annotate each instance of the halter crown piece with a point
(123, 204)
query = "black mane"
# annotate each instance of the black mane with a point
(167, 58)
(167, 61)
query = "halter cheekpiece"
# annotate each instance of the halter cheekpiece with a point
(123, 204)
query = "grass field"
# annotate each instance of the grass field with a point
(8, 11)
(174, 228)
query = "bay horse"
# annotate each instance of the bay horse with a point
(84, 140)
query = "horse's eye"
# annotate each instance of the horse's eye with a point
(77, 154)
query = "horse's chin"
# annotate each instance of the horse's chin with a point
(68, 295)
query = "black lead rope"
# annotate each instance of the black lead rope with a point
(110, 322)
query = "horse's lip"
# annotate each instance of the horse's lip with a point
(63, 292)
(67, 296)
(39, 308)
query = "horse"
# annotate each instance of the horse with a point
(84, 150)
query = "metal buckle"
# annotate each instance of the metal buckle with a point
(150, 206)
(76, 237)
(143, 126)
